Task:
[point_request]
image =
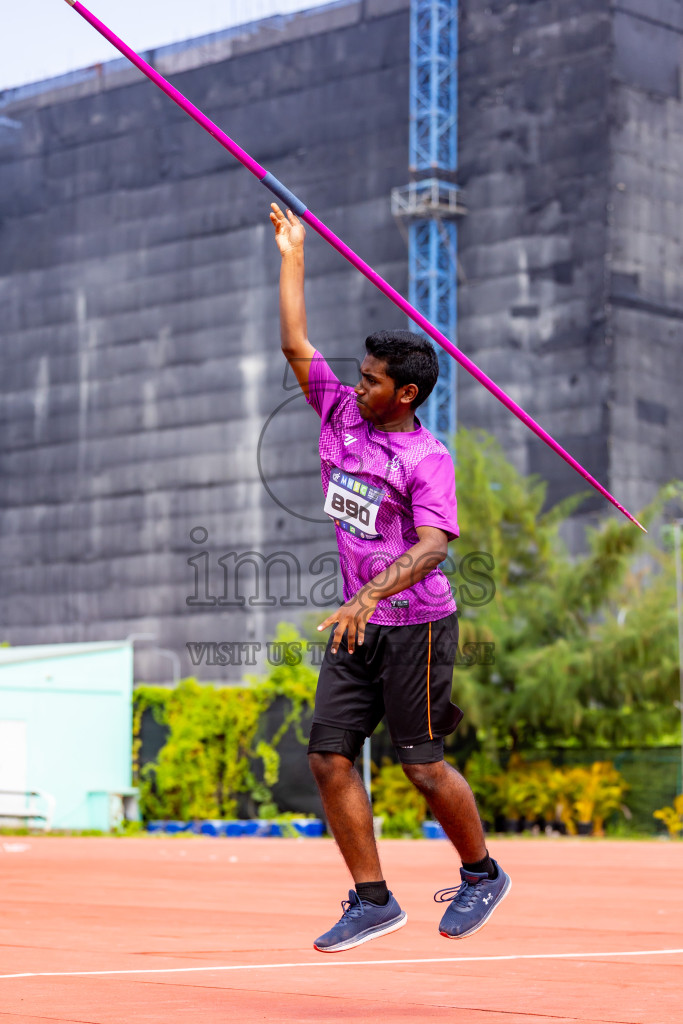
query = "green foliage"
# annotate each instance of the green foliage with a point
(129, 828)
(585, 648)
(540, 790)
(672, 817)
(482, 772)
(396, 800)
(599, 793)
(216, 750)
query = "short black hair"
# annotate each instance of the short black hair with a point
(410, 359)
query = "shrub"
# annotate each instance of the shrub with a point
(538, 790)
(600, 792)
(397, 801)
(216, 751)
(672, 817)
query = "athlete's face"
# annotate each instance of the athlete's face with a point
(378, 398)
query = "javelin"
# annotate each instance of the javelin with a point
(295, 204)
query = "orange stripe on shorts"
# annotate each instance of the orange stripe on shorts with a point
(429, 660)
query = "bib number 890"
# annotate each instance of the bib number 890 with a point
(350, 509)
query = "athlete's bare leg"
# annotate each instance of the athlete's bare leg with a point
(348, 814)
(452, 803)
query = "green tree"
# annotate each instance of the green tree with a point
(585, 647)
(217, 751)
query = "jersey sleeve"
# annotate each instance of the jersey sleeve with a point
(432, 492)
(324, 388)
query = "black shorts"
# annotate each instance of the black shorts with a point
(403, 672)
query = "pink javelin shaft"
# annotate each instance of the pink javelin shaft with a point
(291, 200)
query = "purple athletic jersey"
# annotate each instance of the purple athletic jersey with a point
(379, 486)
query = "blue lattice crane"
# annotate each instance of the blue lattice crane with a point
(430, 203)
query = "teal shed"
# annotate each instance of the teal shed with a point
(66, 734)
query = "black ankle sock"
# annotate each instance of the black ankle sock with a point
(374, 892)
(485, 864)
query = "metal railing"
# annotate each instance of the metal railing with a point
(30, 811)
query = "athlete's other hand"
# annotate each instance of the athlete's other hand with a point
(289, 231)
(351, 619)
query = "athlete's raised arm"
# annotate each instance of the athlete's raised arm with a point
(289, 237)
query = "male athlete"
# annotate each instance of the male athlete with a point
(389, 487)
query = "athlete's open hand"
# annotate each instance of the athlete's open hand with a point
(351, 619)
(289, 231)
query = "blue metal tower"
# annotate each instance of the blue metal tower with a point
(431, 202)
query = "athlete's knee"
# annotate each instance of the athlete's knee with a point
(326, 765)
(426, 777)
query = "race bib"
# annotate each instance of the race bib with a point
(353, 504)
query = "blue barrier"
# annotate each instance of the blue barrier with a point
(433, 830)
(210, 828)
(311, 827)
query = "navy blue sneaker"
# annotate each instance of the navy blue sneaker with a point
(360, 922)
(472, 902)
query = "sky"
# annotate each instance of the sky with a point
(44, 38)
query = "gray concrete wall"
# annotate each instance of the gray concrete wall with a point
(646, 246)
(571, 129)
(138, 303)
(143, 392)
(534, 164)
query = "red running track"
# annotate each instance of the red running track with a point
(159, 930)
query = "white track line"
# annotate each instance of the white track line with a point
(346, 963)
